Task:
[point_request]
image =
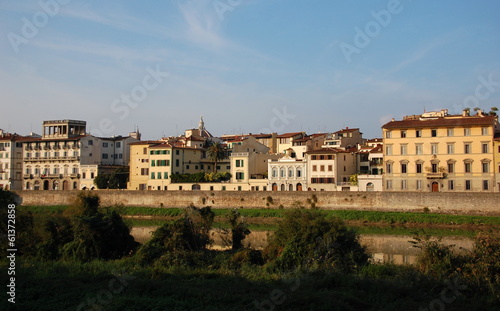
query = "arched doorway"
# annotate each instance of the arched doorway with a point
(283, 187)
(275, 187)
(370, 187)
(435, 186)
(37, 185)
(28, 186)
(195, 187)
(290, 187)
(299, 187)
(65, 185)
(46, 185)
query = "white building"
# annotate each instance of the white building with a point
(11, 160)
(287, 174)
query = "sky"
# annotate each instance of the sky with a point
(246, 66)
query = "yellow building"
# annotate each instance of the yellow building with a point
(496, 148)
(440, 152)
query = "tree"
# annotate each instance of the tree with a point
(115, 180)
(306, 238)
(216, 152)
(493, 111)
(239, 229)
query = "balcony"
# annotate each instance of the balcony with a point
(439, 175)
(28, 148)
(28, 176)
(55, 175)
(74, 175)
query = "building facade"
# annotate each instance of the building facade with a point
(440, 152)
(11, 161)
(287, 174)
(330, 169)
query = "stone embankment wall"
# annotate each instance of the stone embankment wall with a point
(450, 202)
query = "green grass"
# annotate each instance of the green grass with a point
(368, 216)
(66, 285)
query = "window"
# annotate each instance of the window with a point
(118, 144)
(105, 145)
(144, 171)
(486, 185)
(84, 174)
(330, 157)
(403, 149)
(159, 175)
(403, 134)
(484, 147)
(418, 149)
(434, 133)
(484, 131)
(467, 148)
(419, 185)
(315, 168)
(153, 162)
(468, 167)
(468, 185)
(451, 185)
(322, 168)
(486, 167)
(388, 134)
(239, 163)
(92, 174)
(419, 168)
(450, 132)
(290, 173)
(434, 167)
(330, 168)
(389, 184)
(451, 167)
(313, 157)
(434, 148)
(145, 151)
(388, 168)
(240, 175)
(104, 155)
(451, 148)
(177, 163)
(404, 184)
(466, 131)
(299, 172)
(388, 150)
(177, 152)
(404, 168)
(91, 142)
(418, 133)
(153, 175)
(187, 166)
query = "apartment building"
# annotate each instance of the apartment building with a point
(11, 161)
(436, 152)
(496, 150)
(344, 139)
(54, 161)
(330, 169)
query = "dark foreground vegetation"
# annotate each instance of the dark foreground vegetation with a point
(85, 259)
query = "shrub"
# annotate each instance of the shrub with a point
(306, 238)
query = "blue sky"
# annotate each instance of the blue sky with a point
(245, 65)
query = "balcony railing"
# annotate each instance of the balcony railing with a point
(27, 176)
(435, 175)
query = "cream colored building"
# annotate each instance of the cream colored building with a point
(344, 139)
(54, 161)
(329, 169)
(11, 161)
(496, 149)
(440, 152)
(287, 174)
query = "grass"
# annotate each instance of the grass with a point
(68, 285)
(350, 215)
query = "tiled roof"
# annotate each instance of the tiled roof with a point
(442, 122)
(39, 139)
(288, 135)
(347, 130)
(327, 151)
(377, 149)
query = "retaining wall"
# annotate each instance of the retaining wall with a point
(456, 202)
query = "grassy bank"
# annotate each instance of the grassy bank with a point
(348, 215)
(124, 285)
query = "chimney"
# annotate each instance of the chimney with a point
(465, 113)
(480, 113)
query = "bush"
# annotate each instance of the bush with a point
(306, 238)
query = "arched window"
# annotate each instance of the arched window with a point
(275, 172)
(282, 172)
(370, 187)
(290, 173)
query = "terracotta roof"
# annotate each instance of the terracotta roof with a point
(327, 151)
(442, 122)
(147, 142)
(39, 139)
(347, 130)
(377, 149)
(288, 135)
(374, 140)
